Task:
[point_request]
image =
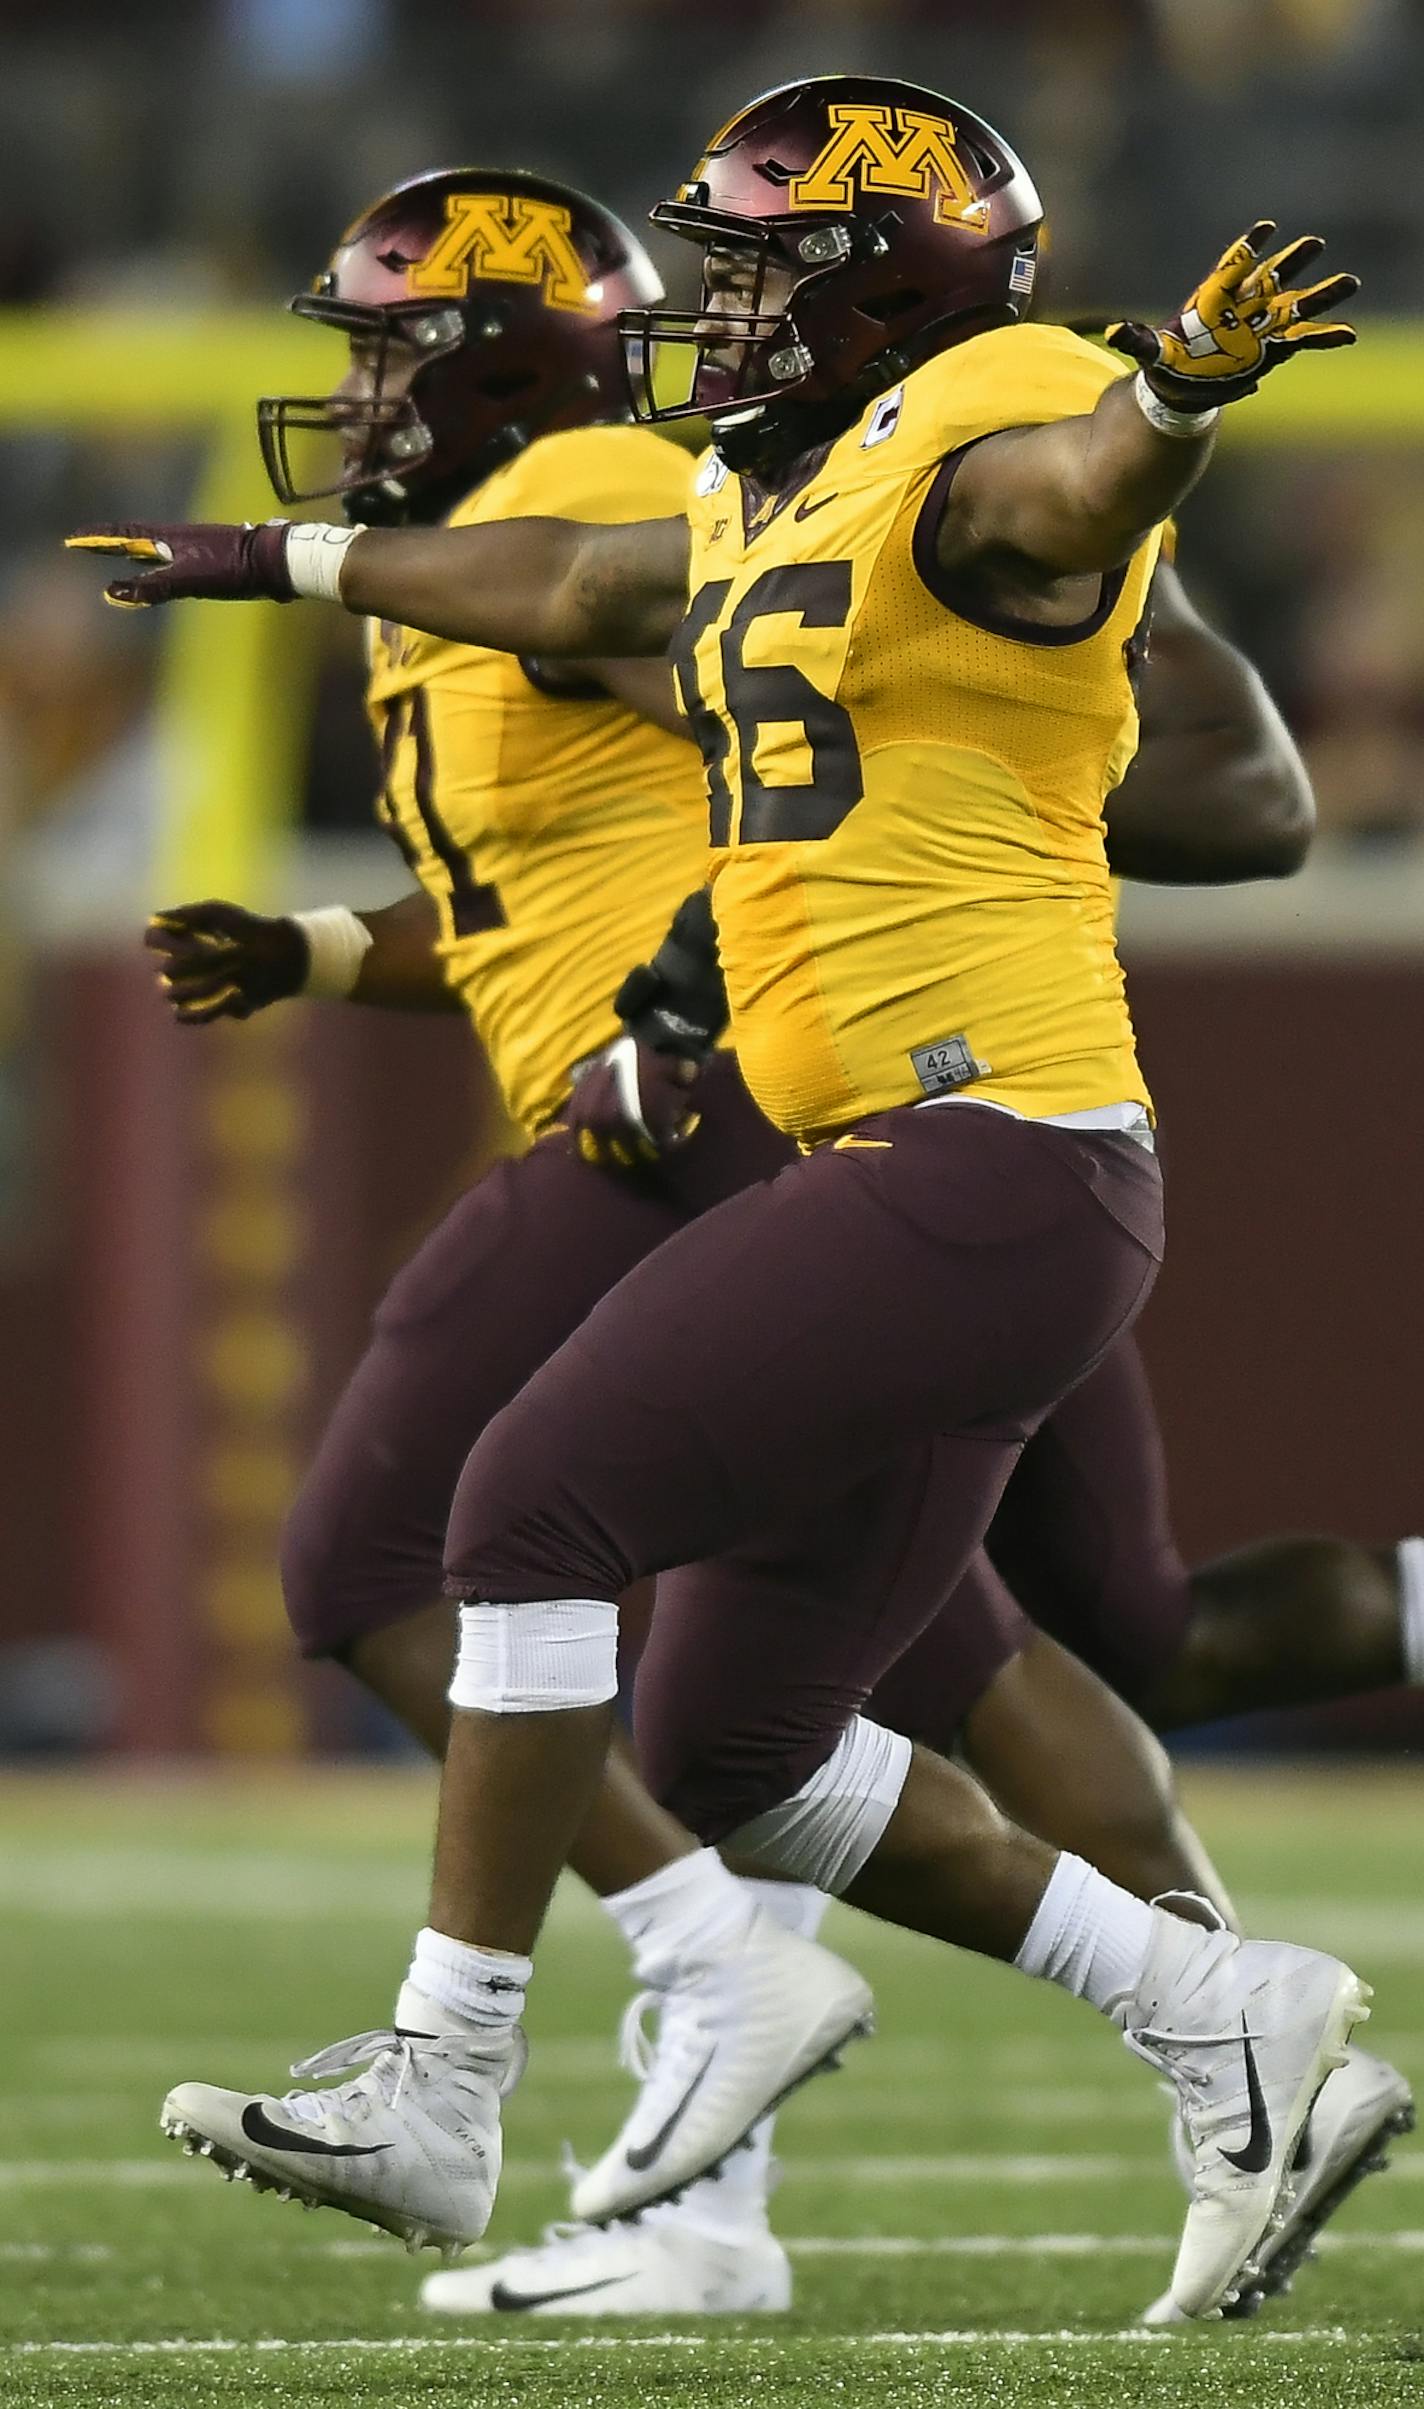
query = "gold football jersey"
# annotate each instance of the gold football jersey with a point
(911, 890)
(556, 833)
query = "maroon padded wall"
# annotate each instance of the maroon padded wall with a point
(220, 1211)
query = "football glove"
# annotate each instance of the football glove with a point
(218, 962)
(630, 1105)
(1239, 324)
(205, 563)
(677, 1003)
(634, 1100)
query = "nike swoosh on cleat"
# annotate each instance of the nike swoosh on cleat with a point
(502, 2298)
(258, 2127)
(642, 2158)
(808, 508)
(1256, 2156)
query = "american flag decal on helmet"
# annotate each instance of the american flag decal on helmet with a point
(1022, 273)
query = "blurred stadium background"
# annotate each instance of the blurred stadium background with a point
(193, 1227)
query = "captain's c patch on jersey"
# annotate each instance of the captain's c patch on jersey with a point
(515, 238)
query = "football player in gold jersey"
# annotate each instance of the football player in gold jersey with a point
(909, 733)
(551, 823)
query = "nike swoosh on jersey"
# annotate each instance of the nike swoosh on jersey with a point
(808, 509)
(642, 2158)
(1256, 2156)
(502, 2298)
(258, 2127)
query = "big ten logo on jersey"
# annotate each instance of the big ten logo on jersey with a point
(890, 150)
(515, 238)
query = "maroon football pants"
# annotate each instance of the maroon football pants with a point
(828, 1377)
(504, 1279)
(496, 1288)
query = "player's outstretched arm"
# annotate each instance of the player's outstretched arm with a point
(218, 961)
(532, 586)
(1217, 790)
(1081, 494)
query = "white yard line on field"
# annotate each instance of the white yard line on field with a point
(37, 2254)
(1044, 2245)
(19, 2174)
(945, 2245)
(108, 2058)
(883, 2107)
(1409, 2243)
(973, 2337)
(179, 1885)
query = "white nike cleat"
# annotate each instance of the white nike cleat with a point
(412, 2145)
(734, 2039)
(1362, 2107)
(654, 2265)
(1246, 2032)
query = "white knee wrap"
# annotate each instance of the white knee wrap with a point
(535, 1660)
(827, 1831)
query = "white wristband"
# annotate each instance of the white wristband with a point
(1158, 414)
(337, 945)
(314, 554)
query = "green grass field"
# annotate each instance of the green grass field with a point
(977, 2207)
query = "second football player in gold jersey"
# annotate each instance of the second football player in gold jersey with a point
(917, 1295)
(509, 785)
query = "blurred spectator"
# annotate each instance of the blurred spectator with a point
(305, 41)
(1152, 124)
(130, 176)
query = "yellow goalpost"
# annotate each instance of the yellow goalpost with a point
(234, 684)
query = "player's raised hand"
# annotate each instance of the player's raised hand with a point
(202, 563)
(631, 1104)
(219, 962)
(1242, 321)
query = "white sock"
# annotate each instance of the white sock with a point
(468, 1985)
(1411, 1607)
(684, 1915)
(1088, 1935)
(795, 1906)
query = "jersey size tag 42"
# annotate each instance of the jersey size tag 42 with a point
(950, 1063)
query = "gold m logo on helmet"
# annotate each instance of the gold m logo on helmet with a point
(890, 150)
(509, 236)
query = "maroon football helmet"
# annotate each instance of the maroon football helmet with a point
(905, 222)
(485, 303)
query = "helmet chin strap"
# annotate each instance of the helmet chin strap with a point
(767, 442)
